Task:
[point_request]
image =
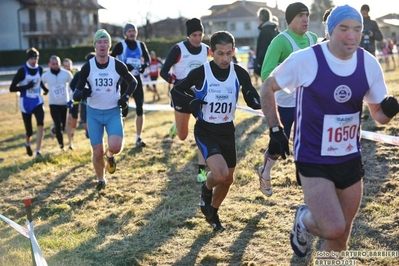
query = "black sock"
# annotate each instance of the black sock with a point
(215, 211)
(206, 191)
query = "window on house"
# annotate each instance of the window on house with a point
(64, 19)
(95, 19)
(221, 26)
(32, 20)
(49, 20)
(247, 25)
(232, 26)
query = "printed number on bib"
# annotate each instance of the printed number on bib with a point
(221, 107)
(136, 63)
(33, 92)
(340, 134)
(104, 82)
(59, 91)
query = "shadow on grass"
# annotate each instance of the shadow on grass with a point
(373, 186)
(177, 212)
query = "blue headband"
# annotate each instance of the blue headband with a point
(341, 13)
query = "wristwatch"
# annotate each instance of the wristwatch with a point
(275, 129)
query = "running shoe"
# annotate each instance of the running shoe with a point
(140, 143)
(111, 164)
(201, 177)
(100, 185)
(28, 150)
(206, 201)
(173, 131)
(265, 184)
(299, 236)
(216, 224)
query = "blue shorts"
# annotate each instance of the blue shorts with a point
(98, 120)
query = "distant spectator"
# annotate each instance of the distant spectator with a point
(267, 31)
(387, 53)
(251, 65)
(155, 63)
(371, 31)
(324, 20)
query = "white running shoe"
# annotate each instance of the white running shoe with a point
(299, 236)
(265, 184)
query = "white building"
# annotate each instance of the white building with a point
(47, 24)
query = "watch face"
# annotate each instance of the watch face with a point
(275, 129)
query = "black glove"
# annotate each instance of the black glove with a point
(86, 92)
(390, 106)
(195, 106)
(31, 84)
(252, 98)
(142, 68)
(278, 144)
(123, 102)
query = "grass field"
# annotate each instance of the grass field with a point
(149, 213)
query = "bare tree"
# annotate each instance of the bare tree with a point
(318, 8)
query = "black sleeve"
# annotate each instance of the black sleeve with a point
(265, 38)
(171, 59)
(251, 95)
(41, 82)
(74, 81)
(377, 34)
(182, 89)
(19, 76)
(118, 49)
(84, 74)
(122, 70)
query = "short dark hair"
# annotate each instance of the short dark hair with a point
(264, 14)
(32, 52)
(221, 37)
(365, 7)
(326, 14)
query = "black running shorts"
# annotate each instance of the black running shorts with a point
(343, 175)
(214, 139)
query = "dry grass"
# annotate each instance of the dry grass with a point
(149, 213)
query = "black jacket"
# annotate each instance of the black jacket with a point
(371, 25)
(267, 31)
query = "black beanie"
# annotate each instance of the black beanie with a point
(293, 10)
(194, 25)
